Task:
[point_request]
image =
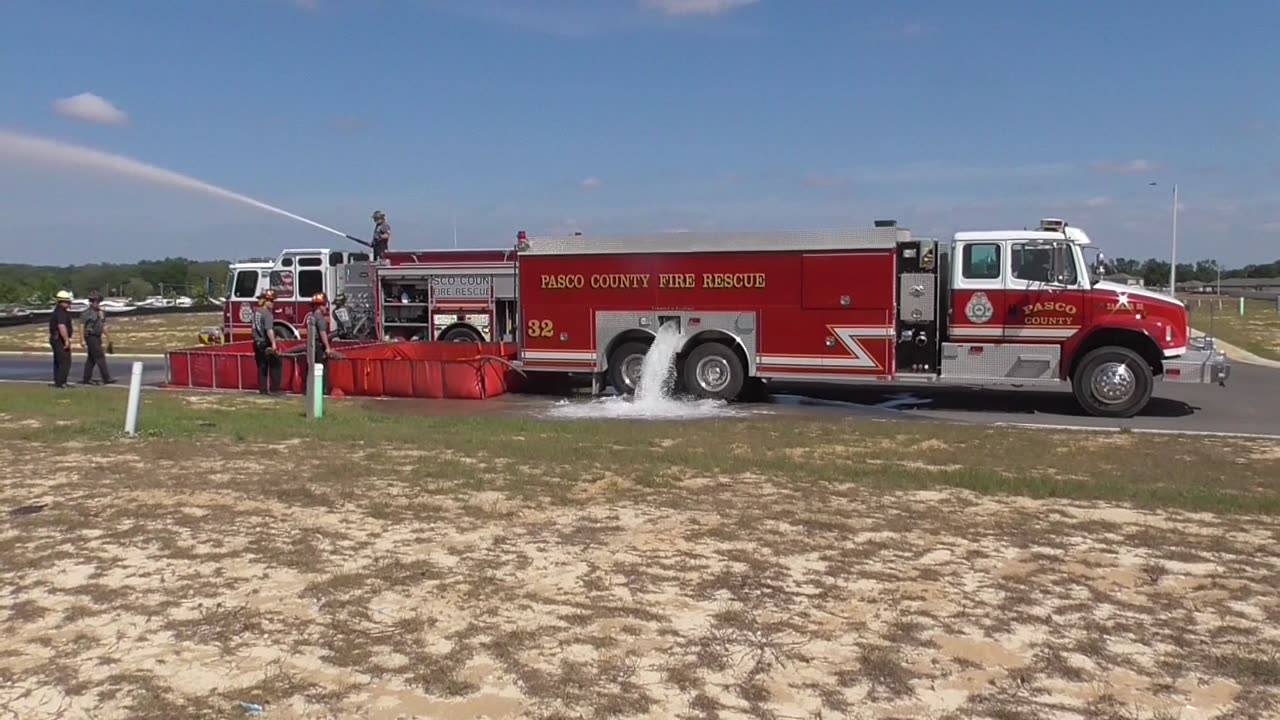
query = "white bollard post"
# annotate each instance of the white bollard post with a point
(135, 396)
(309, 376)
(1241, 307)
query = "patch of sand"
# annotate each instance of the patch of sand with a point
(145, 589)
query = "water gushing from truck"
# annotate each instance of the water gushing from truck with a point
(653, 399)
(658, 372)
(53, 152)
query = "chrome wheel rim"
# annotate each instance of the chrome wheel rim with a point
(1113, 383)
(712, 374)
(631, 370)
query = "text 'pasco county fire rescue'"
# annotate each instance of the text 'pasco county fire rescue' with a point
(640, 281)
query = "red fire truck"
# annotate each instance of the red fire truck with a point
(445, 295)
(1012, 308)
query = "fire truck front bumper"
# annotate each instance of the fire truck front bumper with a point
(1202, 363)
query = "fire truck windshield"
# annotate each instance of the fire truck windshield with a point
(1054, 263)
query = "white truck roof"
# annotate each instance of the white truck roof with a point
(1050, 230)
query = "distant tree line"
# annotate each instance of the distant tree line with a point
(1156, 272)
(37, 284)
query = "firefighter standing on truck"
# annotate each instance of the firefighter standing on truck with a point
(381, 234)
(318, 335)
(92, 338)
(266, 349)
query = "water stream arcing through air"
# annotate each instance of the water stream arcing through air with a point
(54, 152)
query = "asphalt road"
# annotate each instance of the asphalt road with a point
(1249, 404)
(37, 368)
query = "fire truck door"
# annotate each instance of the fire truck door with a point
(1044, 298)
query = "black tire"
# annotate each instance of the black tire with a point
(284, 332)
(1125, 399)
(625, 353)
(722, 376)
(461, 334)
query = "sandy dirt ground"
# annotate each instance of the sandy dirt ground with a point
(154, 580)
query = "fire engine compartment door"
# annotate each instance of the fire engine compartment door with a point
(848, 281)
(356, 282)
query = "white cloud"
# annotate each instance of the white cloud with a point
(1130, 167)
(591, 183)
(682, 8)
(1271, 226)
(1098, 202)
(87, 107)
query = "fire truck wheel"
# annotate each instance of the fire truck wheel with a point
(624, 367)
(714, 371)
(1113, 382)
(462, 334)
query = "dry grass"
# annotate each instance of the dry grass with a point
(468, 568)
(1258, 331)
(143, 334)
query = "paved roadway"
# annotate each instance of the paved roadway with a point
(1249, 404)
(39, 368)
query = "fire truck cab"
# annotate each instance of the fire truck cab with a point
(1012, 308)
(245, 282)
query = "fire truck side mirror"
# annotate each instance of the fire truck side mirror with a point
(1099, 267)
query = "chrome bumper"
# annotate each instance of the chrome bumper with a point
(1202, 363)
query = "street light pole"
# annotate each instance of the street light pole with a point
(1173, 248)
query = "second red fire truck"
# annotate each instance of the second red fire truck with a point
(991, 308)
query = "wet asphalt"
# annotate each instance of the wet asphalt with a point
(1249, 404)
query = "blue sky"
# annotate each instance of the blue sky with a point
(615, 116)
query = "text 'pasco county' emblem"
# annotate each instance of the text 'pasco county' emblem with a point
(246, 313)
(979, 310)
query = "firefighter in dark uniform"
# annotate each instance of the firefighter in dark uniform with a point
(266, 348)
(344, 329)
(381, 234)
(318, 335)
(60, 332)
(94, 323)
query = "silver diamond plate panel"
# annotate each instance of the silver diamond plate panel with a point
(700, 242)
(1006, 362)
(740, 325)
(357, 284)
(918, 294)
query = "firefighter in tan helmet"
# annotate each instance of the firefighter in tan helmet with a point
(266, 346)
(381, 234)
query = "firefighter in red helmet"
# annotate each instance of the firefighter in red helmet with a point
(318, 334)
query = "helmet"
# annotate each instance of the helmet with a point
(340, 298)
(318, 299)
(63, 296)
(378, 215)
